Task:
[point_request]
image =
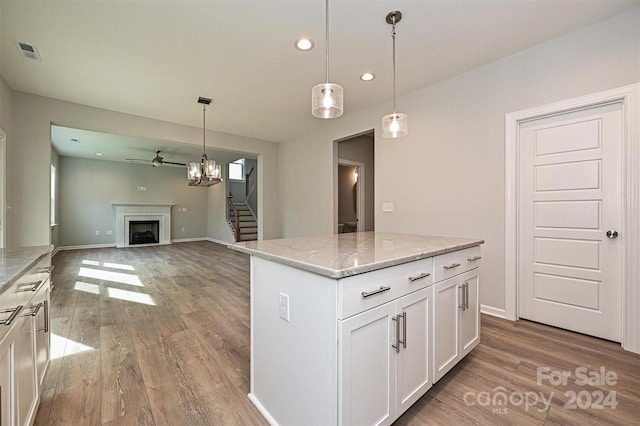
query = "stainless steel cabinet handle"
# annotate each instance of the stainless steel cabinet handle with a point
(14, 314)
(37, 309)
(474, 258)
(466, 296)
(34, 286)
(419, 277)
(46, 318)
(453, 265)
(404, 329)
(396, 346)
(48, 269)
(461, 304)
(371, 293)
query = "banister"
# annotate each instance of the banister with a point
(247, 176)
(236, 226)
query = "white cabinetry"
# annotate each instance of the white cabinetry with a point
(456, 309)
(357, 349)
(385, 360)
(24, 355)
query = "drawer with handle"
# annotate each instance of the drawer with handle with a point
(454, 263)
(365, 291)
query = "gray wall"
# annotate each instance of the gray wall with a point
(361, 148)
(88, 187)
(29, 153)
(447, 176)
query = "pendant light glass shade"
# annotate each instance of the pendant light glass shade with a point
(394, 125)
(327, 98)
(206, 172)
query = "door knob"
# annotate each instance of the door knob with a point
(612, 234)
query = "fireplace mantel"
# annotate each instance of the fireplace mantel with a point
(126, 212)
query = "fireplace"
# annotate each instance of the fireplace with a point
(152, 219)
(144, 232)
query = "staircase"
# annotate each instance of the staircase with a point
(248, 227)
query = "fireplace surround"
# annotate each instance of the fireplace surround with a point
(140, 212)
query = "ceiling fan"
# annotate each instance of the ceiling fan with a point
(157, 161)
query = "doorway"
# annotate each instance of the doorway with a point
(354, 183)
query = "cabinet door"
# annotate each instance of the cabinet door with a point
(25, 369)
(366, 376)
(470, 316)
(414, 363)
(446, 348)
(7, 391)
(41, 326)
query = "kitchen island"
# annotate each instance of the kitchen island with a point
(355, 328)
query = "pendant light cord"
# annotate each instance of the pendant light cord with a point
(393, 36)
(326, 32)
(204, 130)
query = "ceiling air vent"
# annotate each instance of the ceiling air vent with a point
(28, 50)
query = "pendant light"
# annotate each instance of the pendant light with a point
(206, 172)
(327, 98)
(394, 125)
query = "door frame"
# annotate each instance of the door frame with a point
(629, 96)
(360, 214)
(3, 196)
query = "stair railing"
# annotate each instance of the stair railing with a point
(236, 212)
(248, 183)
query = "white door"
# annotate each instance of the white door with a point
(570, 185)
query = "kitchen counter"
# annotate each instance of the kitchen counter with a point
(331, 316)
(15, 262)
(343, 255)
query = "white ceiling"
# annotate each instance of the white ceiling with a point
(155, 58)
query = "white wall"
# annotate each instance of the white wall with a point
(447, 176)
(29, 151)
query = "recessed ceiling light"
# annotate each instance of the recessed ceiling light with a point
(367, 76)
(304, 44)
(99, 154)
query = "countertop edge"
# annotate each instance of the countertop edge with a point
(348, 272)
(7, 284)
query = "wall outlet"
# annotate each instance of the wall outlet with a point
(142, 188)
(387, 207)
(98, 233)
(284, 307)
(109, 232)
(184, 209)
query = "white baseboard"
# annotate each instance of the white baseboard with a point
(496, 312)
(188, 240)
(217, 241)
(262, 410)
(88, 246)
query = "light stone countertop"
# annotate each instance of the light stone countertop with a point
(17, 261)
(343, 255)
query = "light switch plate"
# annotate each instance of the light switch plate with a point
(284, 306)
(387, 207)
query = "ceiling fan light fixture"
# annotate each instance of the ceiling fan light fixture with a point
(206, 172)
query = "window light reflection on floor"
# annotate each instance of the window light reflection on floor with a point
(118, 277)
(87, 287)
(118, 266)
(91, 262)
(115, 293)
(64, 347)
(130, 296)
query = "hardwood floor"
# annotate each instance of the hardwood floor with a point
(160, 335)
